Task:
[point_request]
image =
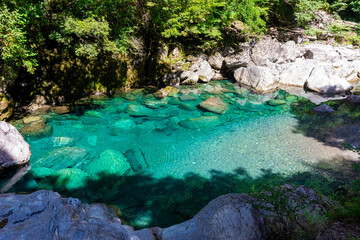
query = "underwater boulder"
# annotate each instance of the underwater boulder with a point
(200, 122)
(110, 163)
(70, 179)
(136, 158)
(138, 110)
(215, 105)
(122, 125)
(37, 130)
(60, 158)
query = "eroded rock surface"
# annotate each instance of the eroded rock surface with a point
(14, 151)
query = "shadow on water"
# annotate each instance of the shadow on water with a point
(342, 126)
(147, 202)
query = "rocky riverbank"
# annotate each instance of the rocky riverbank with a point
(284, 213)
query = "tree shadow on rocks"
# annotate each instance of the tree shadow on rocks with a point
(333, 129)
(146, 201)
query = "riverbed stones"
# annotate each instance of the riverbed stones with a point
(138, 110)
(187, 97)
(136, 158)
(119, 127)
(60, 110)
(166, 92)
(62, 141)
(155, 104)
(37, 130)
(65, 157)
(14, 151)
(111, 163)
(201, 122)
(215, 105)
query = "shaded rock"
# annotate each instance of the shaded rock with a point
(37, 130)
(216, 61)
(6, 108)
(261, 79)
(203, 69)
(201, 122)
(46, 215)
(215, 105)
(187, 97)
(136, 158)
(189, 78)
(70, 179)
(321, 80)
(340, 230)
(61, 110)
(238, 216)
(138, 110)
(60, 158)
(237, 60)
(14, 151)
(172, 78)
(41, 172)
(354, 99)
(91, 120)
(37, 103)
(110, 163)
(187, 107)
(323, 109)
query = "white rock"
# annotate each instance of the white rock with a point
(261, 79)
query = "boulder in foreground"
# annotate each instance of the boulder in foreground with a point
(14, 151)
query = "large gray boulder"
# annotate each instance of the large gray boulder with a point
(261, 79)
(14, 151)
(46, 215)
(240, 217)
(322, 52)
(296, 73)
(216, 61)
(203, 69)
(237, 60)
(322, 80)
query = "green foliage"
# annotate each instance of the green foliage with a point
(15, 51)
(88, 37)
(304, 10)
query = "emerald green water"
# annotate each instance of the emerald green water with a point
(159, 172)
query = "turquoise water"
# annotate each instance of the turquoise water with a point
(155, 166)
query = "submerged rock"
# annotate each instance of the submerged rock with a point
(70, 179)
(111, 163)
(201, 122)
(323, 109)
(37, 130)
(14, 151)
(276, 102)
(60, 158)
(215, 105)
(136, 158)
(138, 110)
